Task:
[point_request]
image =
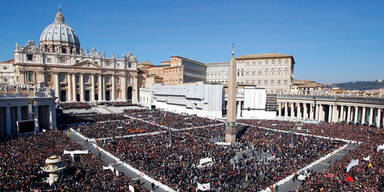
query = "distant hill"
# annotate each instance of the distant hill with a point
(358, 85)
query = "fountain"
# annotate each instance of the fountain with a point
(53, 166)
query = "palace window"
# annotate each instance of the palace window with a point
(29, 57)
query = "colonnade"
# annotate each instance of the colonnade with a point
(332, 112)
(43, 116)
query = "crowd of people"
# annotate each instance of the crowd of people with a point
(366, 176)
(169, 119)
(173, 158)
(76, 105)
(22, 159)
(117, 103)
(69, 120)
(115, 128)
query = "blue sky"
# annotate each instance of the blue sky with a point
(331, 41)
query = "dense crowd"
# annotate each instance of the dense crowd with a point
(115, 128)
(21, 160)
(170, 119)
(68, 120)
(366, 176)
(116, 104)
(76, 105)
(173, 159)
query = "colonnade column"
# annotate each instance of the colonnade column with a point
(305, 111)
(74, 87)
(299, 115)
(57, 85)
(113, 88)
(103, 85)
(371, 116)
(356, 114)
(292, 110)
(69, 87)
(81, 87)
(363, 116)
(311, 106)
(286, 110)
(342, 116)
(317, 111)
(100, 97)
(330, 114)
(378, 117)
(93, 87)
(36, 118)
(18, 113)
(8, 119)
(349, 114)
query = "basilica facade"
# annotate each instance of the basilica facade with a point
(59, 62)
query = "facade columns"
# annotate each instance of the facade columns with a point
(57, 86)
(286, 110)
(100, 97)
(123, 88)
(113, 88)
(81, 87)
(103, 85)
(69, 86)
(363, 116)
(52, 116)
(8, 120)
(93, 87)
(356, 114)
(74, 87)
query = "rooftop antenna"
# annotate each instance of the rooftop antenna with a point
(233, 50)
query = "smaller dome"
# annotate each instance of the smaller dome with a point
(58, 33)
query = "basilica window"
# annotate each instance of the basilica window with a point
(31, 76)
(107, 79)
(49, 60)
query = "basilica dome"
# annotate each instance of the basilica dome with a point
(59, 37)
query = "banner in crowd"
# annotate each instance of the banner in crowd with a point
(380, 147)
(367, 158)
(110, 167)
(353, 163)
(204, 186)
(76, 152)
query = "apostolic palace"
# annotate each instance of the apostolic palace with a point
(59, 62)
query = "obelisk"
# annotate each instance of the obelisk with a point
(230, 125)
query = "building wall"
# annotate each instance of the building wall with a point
(275, 73)
(90, 76)
(7, 73)
(198, 98)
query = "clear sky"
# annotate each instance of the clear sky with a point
(331, 41)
